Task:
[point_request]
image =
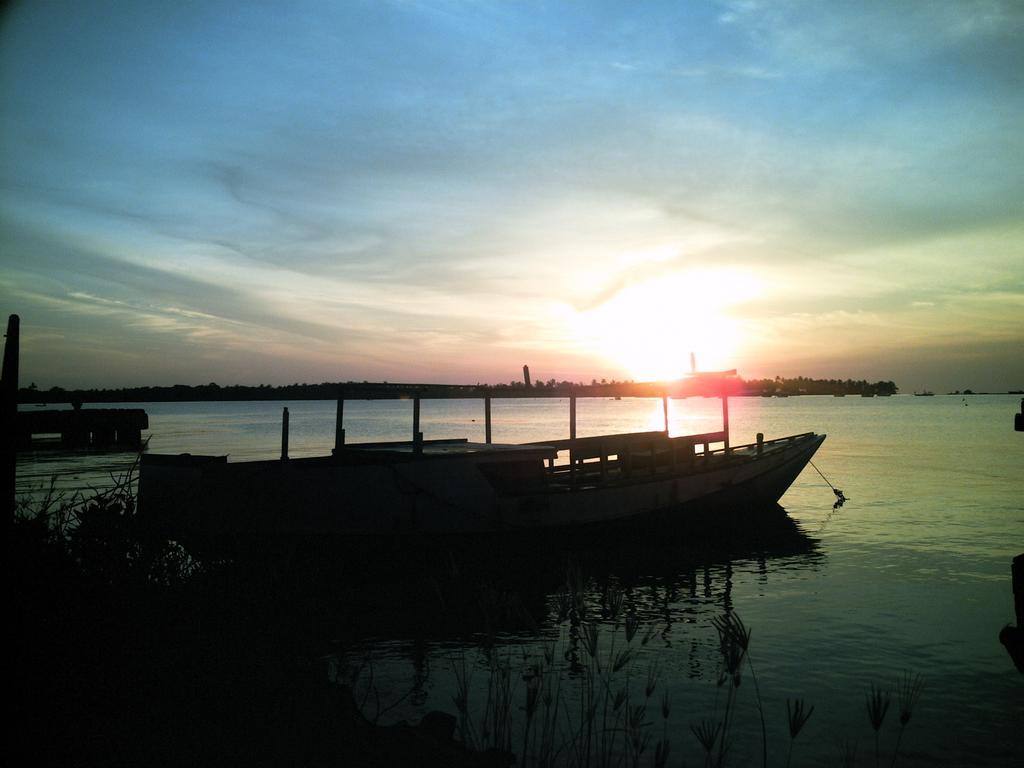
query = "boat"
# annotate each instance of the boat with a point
(457, 486)
(925, 393)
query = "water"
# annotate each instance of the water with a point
(913, 573)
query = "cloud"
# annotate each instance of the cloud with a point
(399, 180)
(832, 36)
(726, 72)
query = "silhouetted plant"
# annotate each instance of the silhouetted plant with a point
(605, 722)
(798, 717)
(847, 753)
(100, 535)
(590, 639)
(877, 701)
(908, 691)
(661, 753)
(662, 748)
(734, 644)
(622, 658)
(652, 680)
(733, 641)
(707, 732)
(631, 625)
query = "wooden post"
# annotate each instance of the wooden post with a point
(9, 417)
(725, 418)
(572, 436)
(339, 429)
(760, 443)
(417, 436)
(487, 420)
(284, 435)
(664, 408)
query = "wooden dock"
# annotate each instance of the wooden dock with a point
(82, 428)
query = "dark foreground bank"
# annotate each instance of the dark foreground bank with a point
(127, 650)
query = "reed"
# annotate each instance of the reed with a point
(605, 722)
(707, 733)
(877, 702)
(847, 753)
(798, 716)
(664, 746)
(908, 691)
(610, 716)
(733, 645)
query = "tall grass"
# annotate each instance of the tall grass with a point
(98, 534)
(593, 696)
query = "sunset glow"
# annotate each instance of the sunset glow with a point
(651, 327)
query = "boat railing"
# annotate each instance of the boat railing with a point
(624, 454)
(759, 446)
(603, 457)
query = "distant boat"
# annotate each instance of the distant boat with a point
(456, 486)
(925, 393)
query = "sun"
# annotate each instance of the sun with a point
(650, 328)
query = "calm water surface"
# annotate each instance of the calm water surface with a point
(913, 573)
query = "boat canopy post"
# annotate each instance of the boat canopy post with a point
(284, 434)
(487, 420)
(664, 408)
(417, 436)
(339, 430)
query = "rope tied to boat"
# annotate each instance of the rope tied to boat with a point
(840, 497)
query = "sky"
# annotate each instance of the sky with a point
(442, 191)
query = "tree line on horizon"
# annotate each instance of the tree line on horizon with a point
(804, 386)
(332, 390)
